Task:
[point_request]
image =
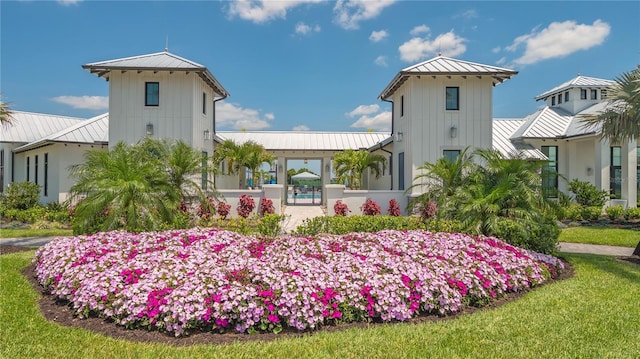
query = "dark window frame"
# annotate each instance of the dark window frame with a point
(594, 94)
(451, 155)
(401, 105)
(28, 167)
(35, 169)
(205, 170)
(550, 172)
(150, 94)
(559, 98)
(566, 96)
(401, 171)
(2, 171)
(46, 174)
(204, 103)
(449, 105)
(553, 100)
(583, 94)
(615, 172)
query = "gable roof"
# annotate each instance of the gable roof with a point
(503, 130)
(447, 66)
(159, 61)
(306, 141)
(28, 126)
(91, 131)
(579, 81)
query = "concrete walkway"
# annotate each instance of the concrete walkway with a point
(295, 215)
(596, 249)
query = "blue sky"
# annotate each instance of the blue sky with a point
(308, 65)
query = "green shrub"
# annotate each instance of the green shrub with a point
(269, 225)
(360, 223)
(540, 237)
(587, 194)
(631, 213)
(573, 212)
(614, 212)
(43, 224)
(591, 213)
(21, 195)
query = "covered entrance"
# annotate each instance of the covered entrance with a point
(304, 188)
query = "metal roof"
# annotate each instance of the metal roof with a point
(159, 61)
(28, 126)
(549, 122)
(503, 129)
(307, 140)
(92, 131)
(448, 67)
(579, 81)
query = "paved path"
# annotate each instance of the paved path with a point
(295, 215)
(27, 241)
(595, 249)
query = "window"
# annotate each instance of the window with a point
(205, 170)
(615, 180)
(1, 171)
(583, 94)
(550, 172)
(451, 155)
(36, 170)
(204, 103)
(401, 105)
(559, 99)
(28, 166)
(594, 94)
(453, 100)
(566, 96)
(603, 94)
(553, 100)
(401, 171)
(46, 174)
(152, 94)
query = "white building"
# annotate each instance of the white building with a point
(439, 107)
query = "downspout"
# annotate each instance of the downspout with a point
(392, 121)
(213, 138)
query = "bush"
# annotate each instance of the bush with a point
(340, 208)
(587, 194)
(540, 237)
(614, 212)
(21, 195)
(592, 213)
(573, 212)
(245, 205)
(429, 210)
(266, 207)
(631, 213)
(362, 223)
(370, 207)
(206, 208)
(223, 209)
(269, 225)
(394, 208)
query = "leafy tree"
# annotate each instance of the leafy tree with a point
(620, 120)
(350, 165)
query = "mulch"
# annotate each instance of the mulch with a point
(60, 312)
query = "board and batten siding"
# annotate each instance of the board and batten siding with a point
(426, 125)
(178, 115)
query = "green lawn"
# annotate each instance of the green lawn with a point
(600, 235)
(593, 315)
(20, 233)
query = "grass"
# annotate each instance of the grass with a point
(601, 235)
(593, 315)
(20, 233)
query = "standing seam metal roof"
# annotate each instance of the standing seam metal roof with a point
(306, 141)
(580, 81)
(28, 126)
(503, 129)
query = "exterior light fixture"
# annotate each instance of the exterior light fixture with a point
(207, 135)
(399, 136)
(149, 129)
(327, 168)
(306, 161)
(453, 132)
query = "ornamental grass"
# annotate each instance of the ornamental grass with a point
(205, 279)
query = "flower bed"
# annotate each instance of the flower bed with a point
(215, 280)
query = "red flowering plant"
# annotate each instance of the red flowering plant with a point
(223, 209)
(370, 207)
(207, 208)
(245, 206)
(340, 208)
(266, 206)
(394, 208)
(429, 210)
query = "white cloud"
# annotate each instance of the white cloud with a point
(559, 39)
(300, 128)
(381, 61)
(84, 102)
(468, 14)
(364, 110)
(348, 13)
(69, 2)
(448, 44)
(496, 49)
(229, 115)
(303, 29)
(379, 122)
(261, 11)
(501, 61)
(378, 35)
(421, 29)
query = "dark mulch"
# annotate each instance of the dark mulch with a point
(58, 311)
(6, 249)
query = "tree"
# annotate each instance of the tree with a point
(249, 155)
(350, 165)
(6, 116)
(620, 120)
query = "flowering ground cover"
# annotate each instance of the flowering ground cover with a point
(214, 280)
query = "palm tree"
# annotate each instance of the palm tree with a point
(6, 116)
(620, 120)
(249, 155)
(350, 165)
(125, 187)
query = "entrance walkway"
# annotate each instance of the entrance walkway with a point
(596, 249)
(295, 215)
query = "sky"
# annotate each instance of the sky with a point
(307, 64)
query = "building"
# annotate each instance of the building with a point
(439, 107)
